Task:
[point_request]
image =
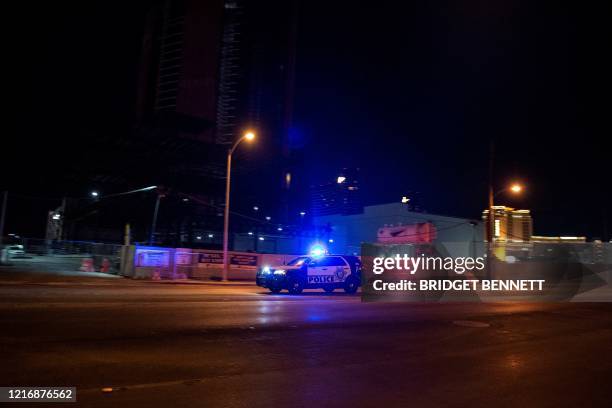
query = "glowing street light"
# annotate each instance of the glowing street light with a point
(250, 136)
(94, 194)
(341, 179)
(516, 188)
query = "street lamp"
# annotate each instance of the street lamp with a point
(160, 195)
(249, 135)
(514, 188)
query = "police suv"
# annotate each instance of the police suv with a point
(328, 272)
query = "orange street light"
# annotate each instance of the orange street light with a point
(516, 188)
(249, 135)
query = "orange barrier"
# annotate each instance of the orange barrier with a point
(105, 265)
(87, 265)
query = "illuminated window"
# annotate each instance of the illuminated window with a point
(497, 228)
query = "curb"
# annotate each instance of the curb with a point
(196, 282)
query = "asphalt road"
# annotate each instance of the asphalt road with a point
(169, 345)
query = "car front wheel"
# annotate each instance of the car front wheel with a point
(295, 286)
(275, 290)
(351, 285)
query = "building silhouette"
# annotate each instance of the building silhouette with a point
(209, 70)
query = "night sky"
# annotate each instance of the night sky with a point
(411, 94)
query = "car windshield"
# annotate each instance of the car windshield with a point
(298, 261)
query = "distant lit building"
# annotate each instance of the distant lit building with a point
(412, 201)
(341, 196)
(510, 225)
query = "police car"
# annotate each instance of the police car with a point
(328, 272)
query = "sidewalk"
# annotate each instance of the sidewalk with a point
(14, 274)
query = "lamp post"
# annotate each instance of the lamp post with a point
(514, 188)
(160, 195)
(248, 136)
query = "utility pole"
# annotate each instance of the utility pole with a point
(226, 260)
(3, 215)
(604, 216)
(491, 229)
(154, 220)
(60, 233)
(126, 235)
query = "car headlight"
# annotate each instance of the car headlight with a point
(280, 272)
(265, 270)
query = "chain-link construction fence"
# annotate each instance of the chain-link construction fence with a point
(51, 256)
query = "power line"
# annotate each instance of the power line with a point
(100, 197)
